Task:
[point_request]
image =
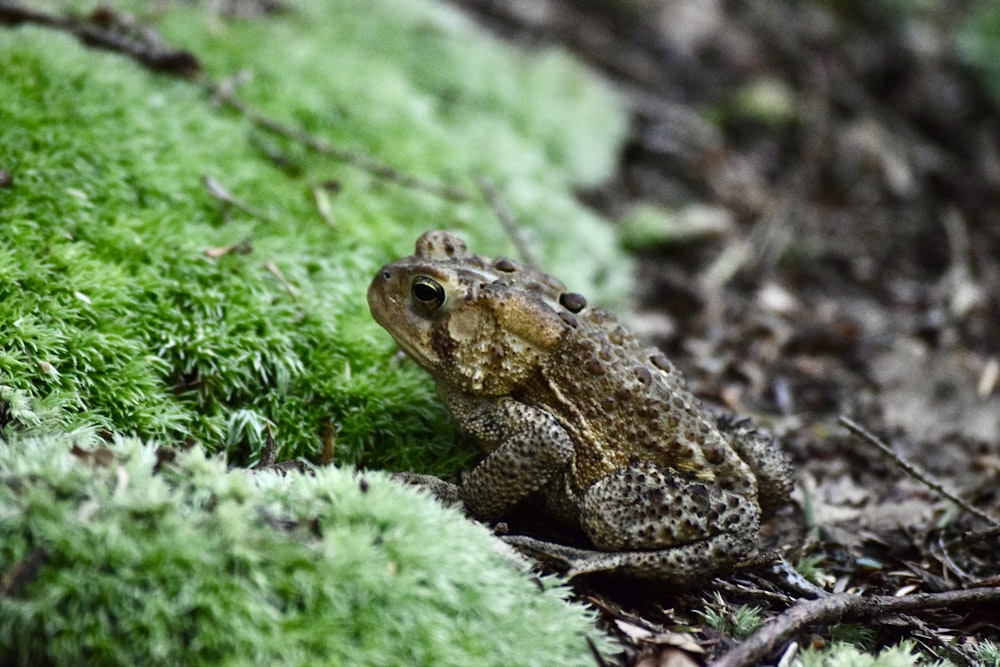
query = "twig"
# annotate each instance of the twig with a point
(22, 573)
(835, 607)
(943, 644)
(596, 653)
(289, 287)
(244, 247)
(328, 436)
(146, 48)
(269, 454)
(506, 219)
(219, 191)
(914, 472)
(978, 536)
(752, 592)
(322, 201)
(356, 160)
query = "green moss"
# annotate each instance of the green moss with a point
(738, 622)
(988, 653)
(979, 42)
(845, 655)
(115, 320)
(112, 317)
(125, 560)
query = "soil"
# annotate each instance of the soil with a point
(825, 177)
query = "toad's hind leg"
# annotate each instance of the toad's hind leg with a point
(770, 465)
(683, 565)
(649, 521)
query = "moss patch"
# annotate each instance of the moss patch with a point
(114, 557)
(119, 318)
(114, 320)
(979, 42)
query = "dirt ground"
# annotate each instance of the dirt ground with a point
(828, 178)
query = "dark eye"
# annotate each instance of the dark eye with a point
(427, 292)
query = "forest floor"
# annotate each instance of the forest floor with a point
(826, 244)
(811, 195)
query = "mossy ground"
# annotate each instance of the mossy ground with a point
(113, 319)
(116, 322)
(141, 561)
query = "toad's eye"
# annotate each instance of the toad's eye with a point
(427, 292)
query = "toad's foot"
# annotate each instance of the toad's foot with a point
(446, 493)
(681, 565)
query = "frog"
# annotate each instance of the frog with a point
(578, 420)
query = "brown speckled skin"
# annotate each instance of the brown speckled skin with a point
(578, 418)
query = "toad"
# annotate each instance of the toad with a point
(579, 421)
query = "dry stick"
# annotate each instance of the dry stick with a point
(322, 201)
(269, 454)
(356, 160)
(277, 273)
(22, 573)
(913, 472)
(219, 191)
(978, 536)
(933, 636)
(835, 607)
(506, 219)
(159, 57)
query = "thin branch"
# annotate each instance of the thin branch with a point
(914, 472)
(323, 207)
(145, 46)
(269, 454)
(507, 219)
(978, 536)
(244, 247)
(328, 436)
(943, 644)
(289, 287)
(108, 30)
(833, 608)
(357, 160)
(22, 573)
(220, 192)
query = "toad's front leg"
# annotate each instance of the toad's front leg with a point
(527, 449)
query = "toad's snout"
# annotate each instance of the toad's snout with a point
(379, 292)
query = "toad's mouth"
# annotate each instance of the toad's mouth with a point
(382, 306)
(411, 351)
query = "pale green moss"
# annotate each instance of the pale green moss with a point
(127, 561)
(738, 622)
(988, 653)
(845, 655)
